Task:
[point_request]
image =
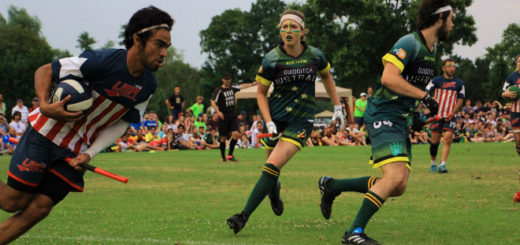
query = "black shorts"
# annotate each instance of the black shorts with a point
(227, 125)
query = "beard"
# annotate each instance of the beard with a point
(443, 33)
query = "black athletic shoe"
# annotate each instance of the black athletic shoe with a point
(358, 238)
(223, 160)
(327, 198)
(237, 222)
(276, 201)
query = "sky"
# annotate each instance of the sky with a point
(63, 21)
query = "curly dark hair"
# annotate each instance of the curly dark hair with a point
(426, 18)
(447, 60)
(143, 18)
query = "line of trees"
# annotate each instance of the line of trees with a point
(353, 34)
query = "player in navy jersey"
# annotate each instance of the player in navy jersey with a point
(223, 102)
(514, 80)
(449, 92)
(121, 83)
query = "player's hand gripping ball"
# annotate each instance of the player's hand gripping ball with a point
(81, 99)
(516, 90)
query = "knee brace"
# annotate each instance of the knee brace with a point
(433, 149)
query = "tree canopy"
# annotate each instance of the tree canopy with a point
(23, 51)
(353, 35)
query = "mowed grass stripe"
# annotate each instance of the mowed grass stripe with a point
(185, 197)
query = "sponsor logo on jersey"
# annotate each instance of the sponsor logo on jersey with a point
(31, 166)
(429, 58)
(426, 71)
(396, 148)
(293, 62)
(448, 85)
(400, 53)
(123, 90)
(378, 124)
(302, 134)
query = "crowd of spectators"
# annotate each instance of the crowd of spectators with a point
(11, 131)
(479, 122)
(186, 132)
(196, 129)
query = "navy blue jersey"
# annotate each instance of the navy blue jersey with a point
(513, 80)
(446, 92)
(117, 95)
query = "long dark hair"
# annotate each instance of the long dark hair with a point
(426, 18)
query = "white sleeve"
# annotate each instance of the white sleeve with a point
(430, 86)
(107, 137)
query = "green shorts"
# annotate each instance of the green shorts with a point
(390, 142)
(296, 133)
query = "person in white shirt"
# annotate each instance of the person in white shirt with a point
(21, 108)
(17, 123)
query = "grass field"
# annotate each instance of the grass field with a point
(185, 198)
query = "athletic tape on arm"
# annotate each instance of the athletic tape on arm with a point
(107, 137)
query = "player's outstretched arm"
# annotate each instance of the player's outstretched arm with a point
(42, 85)
(328, 83)
(393, 80)
(215, 107)
(263, 105)
(247, 85)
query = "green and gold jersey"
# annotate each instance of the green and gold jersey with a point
(417, 64)
(294, 81)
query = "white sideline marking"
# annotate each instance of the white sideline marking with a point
(126, 240)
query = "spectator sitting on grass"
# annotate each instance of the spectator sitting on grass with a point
(170, 140)
(358, 136)
(4, 127)
(154, 141)
(329, 137)
(183, 140)
(210, 140)
(17, 123)
(171, 123)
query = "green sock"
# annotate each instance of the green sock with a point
(361, 185)
(371, 203)
(263, 186)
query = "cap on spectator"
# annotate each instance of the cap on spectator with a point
(243, 113)
(226, 76)
(363, 94)
(35, 99)
(200, 115)
(19, 100)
